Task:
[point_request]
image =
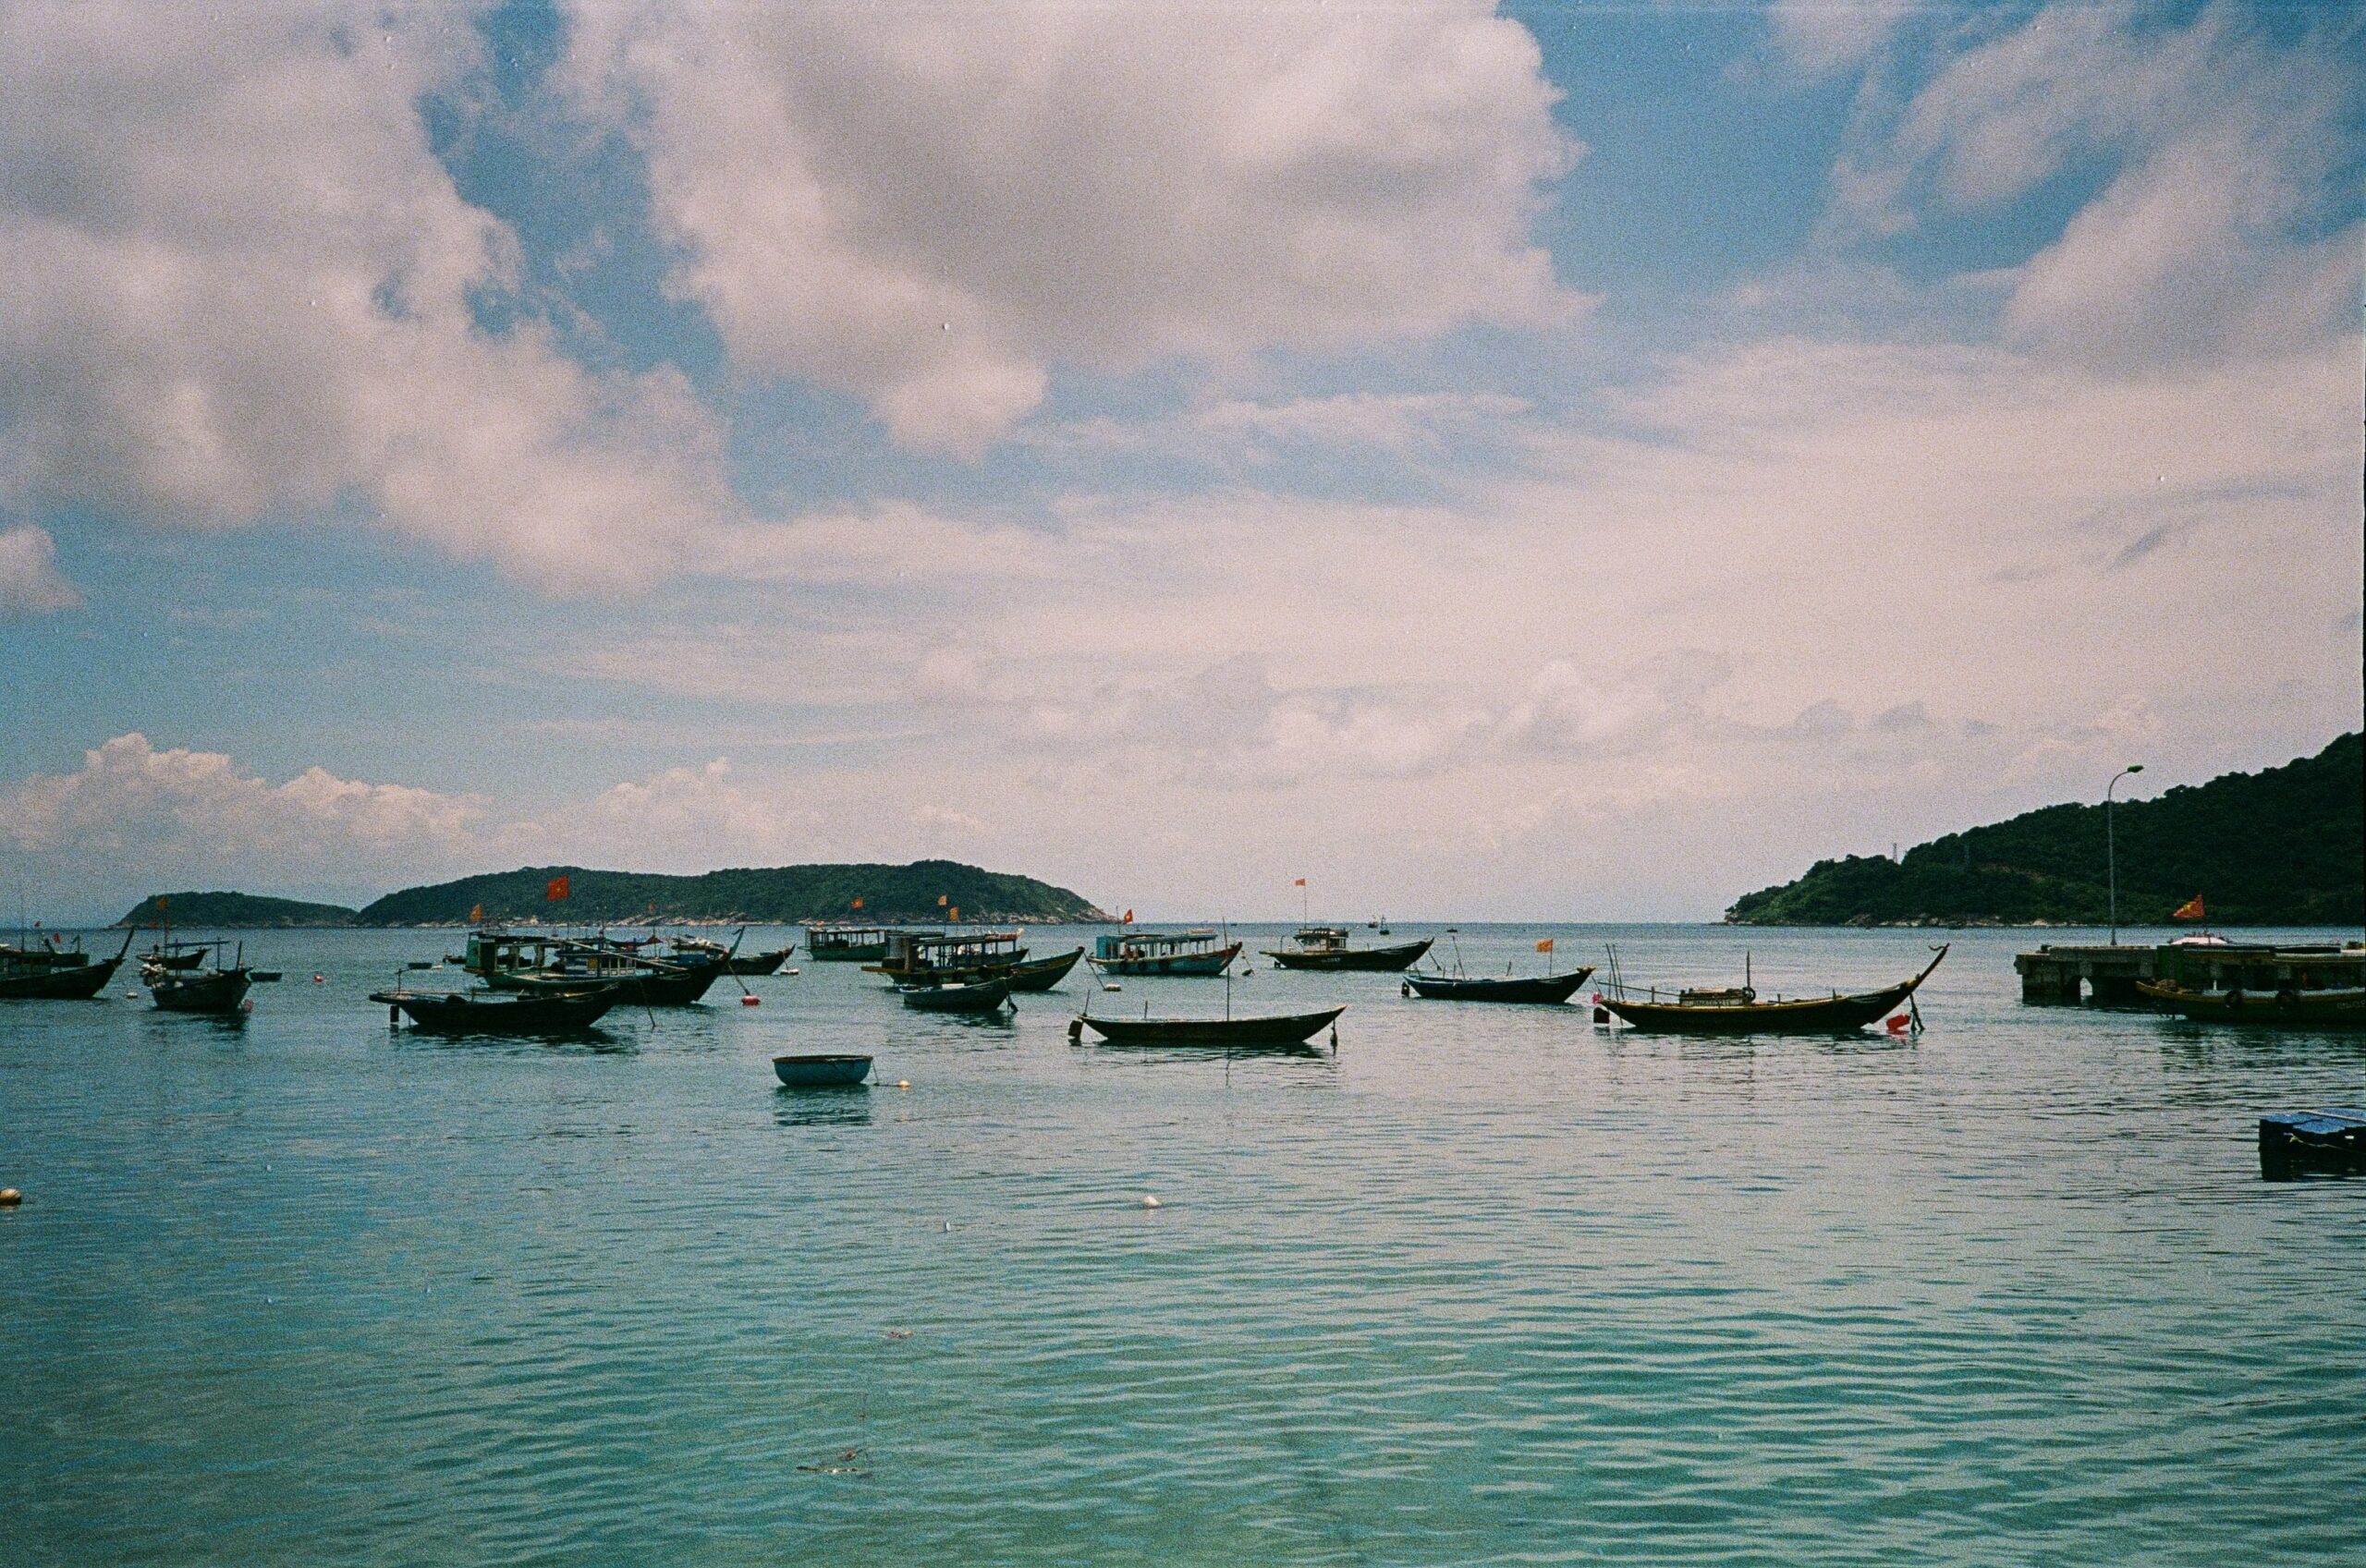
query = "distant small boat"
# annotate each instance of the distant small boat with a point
(502, 1013)
(821, 1071)
(1043, 974)
(1496, 988)
(1284, 1030)
(978, 996)
(1163, 953)
(2288, 1007)
(1739, 1012)
(421, 964)
(2292, 1143)
(1325, 948)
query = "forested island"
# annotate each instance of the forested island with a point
(923, 892)
(244, 910)
(2283, 846)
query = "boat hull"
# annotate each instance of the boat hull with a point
(39, 977)
(821, 1071)
(1285, 1029)
(984, 996)
(2279, 1009)
(1214, 962)
(1043, 974)
(761, 963)
(2296, 1143)
(1813, 1015)
(520, 1012)
(672, 988)
(222, 990)
(1533, 988)
(1360, 958)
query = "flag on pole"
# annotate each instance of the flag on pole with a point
(955, 914)
(554, 890)
(1300, 882)
(476, 913)
(1545, 946)
(940, 901)
(1128, 919)
(2189, 910)
(857, 904)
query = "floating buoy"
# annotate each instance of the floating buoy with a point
(1151, 1202)
(789, 971)
(1602, 1015)
(1112, 985)
(320, 980)
(10, 1197)
(903, 1083)
(750, 1000)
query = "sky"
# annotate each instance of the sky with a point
(1558, 462)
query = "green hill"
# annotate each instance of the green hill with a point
(2283, 846)
(232, 910)
(780, 895)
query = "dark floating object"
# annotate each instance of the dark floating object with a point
(510, 1012)
(1325, 948)
(978, 996)
(1496, 987)
(1739, 1011)
(265, 976)
(2287, 1006)
(1043, 974)
(1282, 1030)
(821, 1071)
(46, 973)
(2293, 1143)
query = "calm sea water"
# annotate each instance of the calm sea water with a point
(1484, 1285)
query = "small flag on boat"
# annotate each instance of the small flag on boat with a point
(940, 901)
(1545, 946)
(2189, 910)
(1300, 882)
(476, 913)
(857, 904)
(554, 890)
(1128, 919)
(955, 914)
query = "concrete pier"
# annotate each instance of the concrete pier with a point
(2108, 976)
(2105, 975)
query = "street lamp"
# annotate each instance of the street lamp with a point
(2111, 845)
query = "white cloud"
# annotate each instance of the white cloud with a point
(1826, 35)
(929, 209)
(30, 580)
(242, 285)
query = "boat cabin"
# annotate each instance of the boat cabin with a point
(933, 956)
(1321, 938)
(852, 943)
(1116, 946)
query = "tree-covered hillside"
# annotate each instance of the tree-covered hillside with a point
(782, 895)
(2283, 846)
(232, 910)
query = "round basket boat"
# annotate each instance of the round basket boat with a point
(821, 1072)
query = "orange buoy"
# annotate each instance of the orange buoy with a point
(750, 1000)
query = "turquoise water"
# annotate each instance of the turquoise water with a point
(1486, 1285)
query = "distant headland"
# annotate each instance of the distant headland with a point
(2283, 846)
(922, 891)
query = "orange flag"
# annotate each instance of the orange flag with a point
(554, 890)
(476, 913)
(857, 904)
(940, 901)
(1300, 882)
(957, 915)
(1545, 946)
(1128, 919)
(2189, 910)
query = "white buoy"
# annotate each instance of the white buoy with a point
(1151, 1202)
(1112, 985)
(903, 1083)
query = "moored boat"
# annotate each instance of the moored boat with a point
(1279, 1029)
(501, 1013)
(222, 988)
(44, 972)
(695, 948)
(975, 996)
(1043, 974)
(2293, 1143)
(821, 1071)
(1325, 948)
(1740, 1012)
(925, 958)
(1163, 953)
(1496, 988)
(511, 961)
(851, 944)
(2286, 1007)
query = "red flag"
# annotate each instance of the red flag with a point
(1300, 882)
(554, 890)
(2189, 910)
(857, 904)
(1545, 946)
(1128, 919)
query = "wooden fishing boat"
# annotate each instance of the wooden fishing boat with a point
(222, 988)
(175, 954)
(690, 948)
(821, 1071)
(44, 973)
(976, 996)
(1282, 1030)
(1495, 988)
(510, 961)
(2288, 1007)
(1163, 953)
(851, 944)
(1043, 974)
(1739, 1011)
(1325, 948)
(933, 958)
(2293, 1143)
(501, 1013)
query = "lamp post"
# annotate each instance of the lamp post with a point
(2111, 845)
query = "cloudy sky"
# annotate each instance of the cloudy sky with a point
(1578, 461)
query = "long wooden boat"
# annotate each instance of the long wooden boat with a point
(851, 944)
(976, 996)
(2293, 1143)
(1043, 974)
(1740, 1013)
(817, 1071)
(175, 955)
(501, 1013)
(509, 961)
(1284, 1030)
(49, 973)
(2286, 1008)
(688, 949)
(1325, 948)
(1163, 953)
(1496, 988)
(934, 959)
